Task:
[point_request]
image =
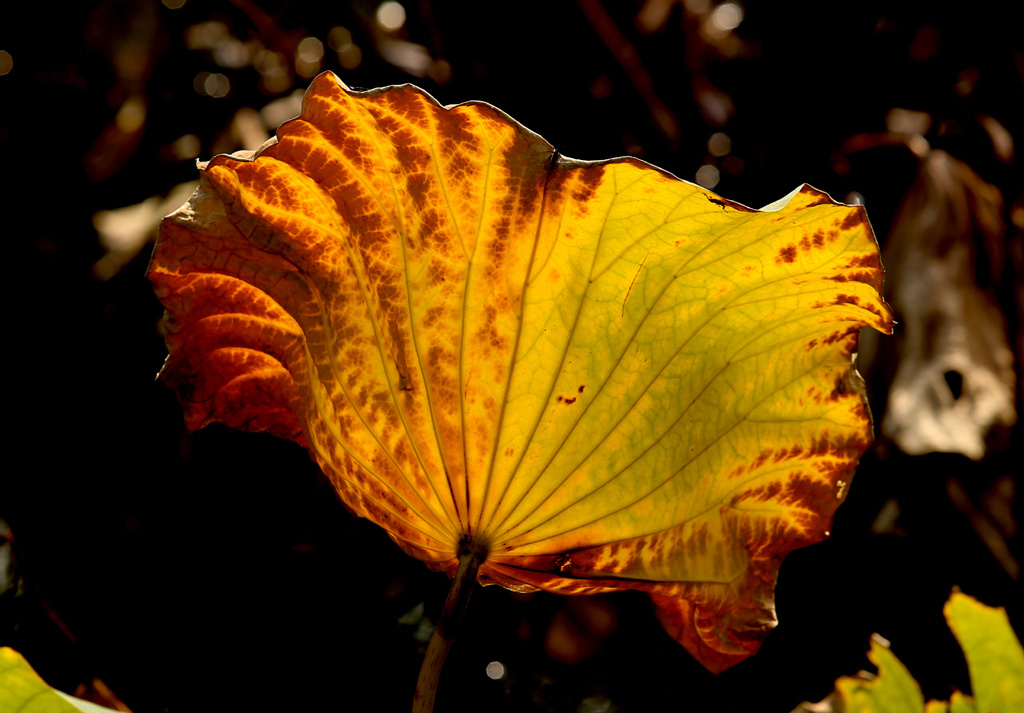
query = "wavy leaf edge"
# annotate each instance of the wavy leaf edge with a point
(720, 620)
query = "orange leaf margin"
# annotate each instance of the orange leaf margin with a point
(288, 261)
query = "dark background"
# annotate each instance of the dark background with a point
(218, 570)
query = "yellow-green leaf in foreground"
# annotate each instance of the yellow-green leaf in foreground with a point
(893, 690)
(597, 375)
(995, 661)
(22, 691)
(994, 655)
(957, 703)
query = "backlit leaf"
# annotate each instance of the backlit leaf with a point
(23, 691)
(893, 690)
(994, 655)
(995, 661)
(957, 703)
(610, 378)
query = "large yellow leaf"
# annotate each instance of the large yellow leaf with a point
(606, 377)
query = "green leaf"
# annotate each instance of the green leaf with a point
(995, 658)
(893, 690)
(22, 691)
(959, 703)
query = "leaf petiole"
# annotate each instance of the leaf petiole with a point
(472, 554)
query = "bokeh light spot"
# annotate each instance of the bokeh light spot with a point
(308, 57)
(440, 71)
(131, 116)
(727, 16)
(6, 62)
(350, 57)
(391, 15)
(232, 53)
(495, 670)
(186, 147)
(269, 63)
(413, 58)
(311, 49)
(908, 121)
(719, 144)
(206, 35)
(1017, 216)
(280, 110)
(273, 66)
(174, 4)
(216, 85)
(708, 176)
(733, 165)
(339, 39)
(199, 83)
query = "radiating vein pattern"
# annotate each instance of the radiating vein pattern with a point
(615, 378)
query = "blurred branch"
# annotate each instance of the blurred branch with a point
(267, 27)
(988, 532)
(626, 55)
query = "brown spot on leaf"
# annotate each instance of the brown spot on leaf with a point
(818, 198)
(737, 472)
(847, 384)
(787, 453)
(838, 336)
(787, 254)
(855, 218)
(589, 180)
(527, 160)
(764, 493)
(870, 261)
(863, 268)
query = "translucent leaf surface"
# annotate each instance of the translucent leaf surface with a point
(611, 378)
(995, 661)
(893, 690)
(995, 658)
(22, 691)
(957, 703)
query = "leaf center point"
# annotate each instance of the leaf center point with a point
(474, 545)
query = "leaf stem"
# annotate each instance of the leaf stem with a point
(472, 554)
